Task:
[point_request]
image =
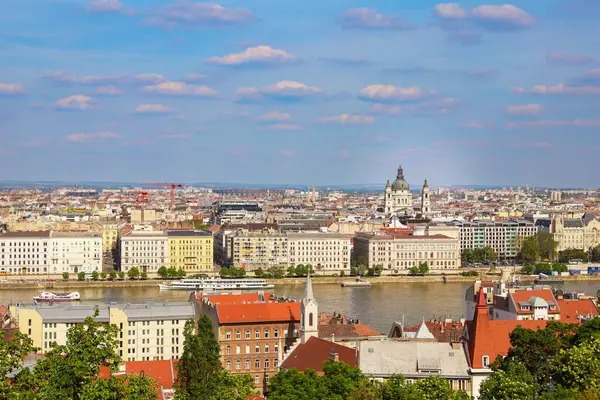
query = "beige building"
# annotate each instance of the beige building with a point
(75, 252)
(576, 233)
(326, 252)
(398, 252)
(25, 252)
(147, 250)
(150, 331)
(110, 235)
(191, 251)
(253, 249)
(352, 228)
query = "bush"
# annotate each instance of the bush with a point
(103, 275)
(65, 276)
(81, 276)
(112, 275)
(163, 272)
(121, 275)
(469, 273)
(95, 275)
(144, 275)
(133, 273)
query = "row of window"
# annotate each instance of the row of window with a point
(238, 349)
(238, 333)
(257, 365)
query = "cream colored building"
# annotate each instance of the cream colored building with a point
(150, 331)
(75, 252)
(258, 249)
(147, 250)
(576, 233)
(110, 235)
(398, 252)
(191, 251)
(25, 252)
(326, 252)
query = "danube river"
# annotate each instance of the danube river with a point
(377, 306)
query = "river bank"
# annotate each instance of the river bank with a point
(317, 280)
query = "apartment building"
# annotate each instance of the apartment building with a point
(223, 252)
(502, 236)
(150, 331)
(191, 251)
(258, 249)
(399, 251)
(326, 252)
(110, 234)
(25, 252)
(253, 334)
(75, 252)
(147, 250)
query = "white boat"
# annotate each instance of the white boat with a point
(357, 283)
(217, 284)
(51, 297)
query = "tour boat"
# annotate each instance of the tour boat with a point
(357, 283)
(217, 284)
(51, 297)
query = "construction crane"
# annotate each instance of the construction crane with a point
(141, 198)
(172, 186)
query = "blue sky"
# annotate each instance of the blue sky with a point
(329, 92)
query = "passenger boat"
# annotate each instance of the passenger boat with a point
(51, 297)
(215, 284)
(357, 283)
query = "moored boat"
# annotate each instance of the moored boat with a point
(357, 283)
(217, 284)
(51, 297)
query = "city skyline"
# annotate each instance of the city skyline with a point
(469, 93)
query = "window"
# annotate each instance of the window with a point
(247, 364)
(485, 361)
(276, 332)
(237, 364)
(275, 362)
(257, 380)
(247, 334)
(267, 363)
(310, 319)
(228, 364)
(276, 348)
(228, 335)
(227, 349)
(257, 349)
(238, 335)
(238, 349)
(257, 363)
(267, 348)
(266, 333)
(256, 333)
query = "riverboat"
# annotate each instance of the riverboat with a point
(216, 284)
(52, 297)
(356, 283)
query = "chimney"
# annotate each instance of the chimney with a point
(334, 356)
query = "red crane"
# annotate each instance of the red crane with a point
(172, 186)
(141, 198)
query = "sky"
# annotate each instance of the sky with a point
(301, 92)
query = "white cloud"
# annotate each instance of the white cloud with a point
(449, 10)
(391, 93)
(276, 116)
(432, 106)
(525, 109)
(108, 90)
(571, 59)
(368, 18)
(11, 89)
(148, 78)
(280, 91)
(84, 137)
(561, 88)
(194, 77)
(348, 119)
(180, 89)
(63, 77)
(153, 109)
(254, 55)
(106, 6)
(283, 127)
(77, 102)
(555, 123)
(193, 14)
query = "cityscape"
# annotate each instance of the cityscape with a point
(299, 201)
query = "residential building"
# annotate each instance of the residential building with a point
(525, 305)
(258, 249)
(162, 372)
(253, 335)
(442, 330)
(326, 252)
(223, 251)
(191, 251)
(147, 250)
(75, 252)
(313, 353)
(149, 331)
(399, 251)
(576, 233)
(110, 235)
(25, 252)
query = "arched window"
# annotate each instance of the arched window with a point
(310, 319)
(227, 349)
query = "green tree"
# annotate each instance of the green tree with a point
(434, 388)
(11, 356)
(301, 270)
(366, 390)
(579, 366)
(547, 245)
(233, 387)
(102, 275)
(489, 255)
(276, 272)
(397, 388)
(95, 275)
(259, 273)
(530, 250)
(112, 275)
(293, 385)
(595, 254)
(571, 254)
(340, 379)
(423, 268)
(172, 272)
(181, 273)
(121, 275)
(291, 271)
(163, 272)
(467, 256)
(377, 270)
(587, 331)
(81, 276)
(65, 276)
(133, 273)
(144, 275)
(515, 382)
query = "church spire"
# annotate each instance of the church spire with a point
(308, 290)
(400, 172)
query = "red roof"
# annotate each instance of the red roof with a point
(572, 310)
(235, 298)
(163, 372)
(313, 353)
(258, 312)
(526, 295)
(491, 338)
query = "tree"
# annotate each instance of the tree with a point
(259, 273)
(81, 276)
(530, 250)
(11, 356)
(423, 268)
(65, 276)
(112, 275)
(181, 273)
(102, 275)
(291, 271)
(580, 365)
(340, 379)
(595, 254)
(144, 275)
(377, 270)
(301, 270)
(133, 273)
(121, 275)
(276, 272)
(571, 254)
(233, 387)
(293, 385)
(163, 272)
(172, 272)
(547, 245)
(489, 255)
(587, 331)
(95, 275)
(397, 388)
(467, 256)
(513, 383)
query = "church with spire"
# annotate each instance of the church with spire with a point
(398, 198)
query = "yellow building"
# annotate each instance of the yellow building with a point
(191, 251)
(149, 331)
(110, 235)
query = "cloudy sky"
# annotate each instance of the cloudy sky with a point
(303, 92)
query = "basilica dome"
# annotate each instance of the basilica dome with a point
(400, 183)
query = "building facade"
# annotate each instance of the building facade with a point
(25, 252)
(326, 252)
(258, 249)
(191, 251)
(146, 250)
(398, 252)
(75, 252)
(397, 196)
(576, 233)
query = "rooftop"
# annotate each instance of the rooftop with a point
(258, 312)
(313, 353)
(186, 233)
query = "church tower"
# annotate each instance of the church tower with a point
(387, 198)
(425, 200)
(309, 314)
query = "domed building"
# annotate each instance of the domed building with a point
(398, 198)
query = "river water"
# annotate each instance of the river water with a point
(378, 306)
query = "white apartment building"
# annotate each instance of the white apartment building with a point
(150, 331)
(399, 251)
(326, 252)
(75, 252)
(25, 252)
(258, 249)
(147, 250)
